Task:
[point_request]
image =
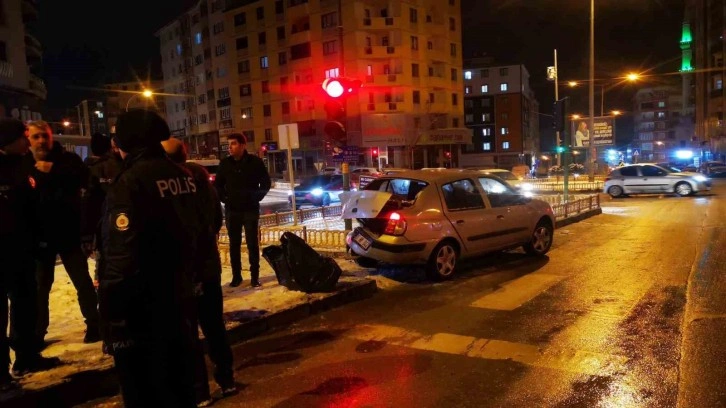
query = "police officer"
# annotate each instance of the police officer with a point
(17, 275)
(242, 182)
(208, 268)
(103, 167)
(151, 228)
(60, 178)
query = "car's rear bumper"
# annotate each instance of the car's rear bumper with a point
(390, 249)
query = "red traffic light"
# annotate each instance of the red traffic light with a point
(374, 152)
(337, 87)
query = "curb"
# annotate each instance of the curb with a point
(577, 218)
(87, 385)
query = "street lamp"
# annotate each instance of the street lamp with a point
(145, 93)
(66, 123)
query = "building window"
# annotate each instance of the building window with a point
(198, 38)
(469, 118)
(242, 43)
(262, 38)
(246, 113)
(265, 86)
(245, 90)
(661, 104)
(332, 73)
(468, 103)
(3, 51)
(203, 118)
(484, 73)
(268, 135)
(452, 24)
(280, 33)
(286, 108)
(414, 70)
(453, 49)
(279, 7)
(505, 145)
(283, 85)
(505, 115)
(486, 146)
(329, 20)
(299, 51)
(454, 99)
(220, 50)
(243, 66)
(505, 131)
(266, 111)
(484, 88)
(416, 97)
(455, 122)
(413, 15)
(240, 19)
(223, 93)
(264, 62)
(467, 89)
(486, 117)
(330, 47)
(503, 71)
(430, 45)
(218, 28)
(282, 58)
(661, 115)
(467, 75)
(414, 43)
(260, 13)
(486, 131)
(454, 75)
(503, 86)
(432, 98)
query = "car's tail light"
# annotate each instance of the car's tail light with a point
(212, 177)
(607, 179)
(396, 224)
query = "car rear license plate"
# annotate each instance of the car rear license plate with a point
(363, 241)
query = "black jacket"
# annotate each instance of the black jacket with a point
(16, 208)
(208, 266)
(59, 220)
(150, 234)
(243, 183)
(102, 172)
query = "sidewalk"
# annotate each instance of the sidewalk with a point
(87, 372)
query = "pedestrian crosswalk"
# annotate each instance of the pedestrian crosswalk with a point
(517, 292)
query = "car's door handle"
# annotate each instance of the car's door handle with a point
(500, 217)
(459, 221)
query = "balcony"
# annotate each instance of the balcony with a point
(6, 69)
(379, 23)
(29, 10)
(37, 87)
(439, 82)
(381, 51)
(385, 106)
(33, 47)
(299, 37)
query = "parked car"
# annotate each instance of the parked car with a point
(318, 190)
(648, 178)
(516, 182)
(329, 170)
(713, 169)
(436, 218)
(212, 165)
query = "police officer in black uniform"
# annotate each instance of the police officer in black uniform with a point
(208, 280)
(242, 182)
(150, 229)
(17, 274)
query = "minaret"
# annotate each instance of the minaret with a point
(686, 67)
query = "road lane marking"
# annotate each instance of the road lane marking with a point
(576, 361)
(517, 292)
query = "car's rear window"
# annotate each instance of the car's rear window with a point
(401, 188)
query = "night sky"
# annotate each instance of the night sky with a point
(92, 42)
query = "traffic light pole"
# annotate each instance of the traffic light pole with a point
(557, 98)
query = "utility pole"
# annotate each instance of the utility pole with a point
(557, 98)
(591, 121)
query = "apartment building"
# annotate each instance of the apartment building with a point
(277, 53)
(501, 112)
(660, 128)
(92, 117)
(22, 91)
(707, 23)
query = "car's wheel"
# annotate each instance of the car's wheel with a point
(326, 200)
(541, 239)
(683, 189)
(442, 263)
(615, 191)
(365, 262)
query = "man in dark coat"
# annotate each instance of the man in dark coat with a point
(146, 288)
(242, 182)
(103, 166)
(17, 275)
(208, 268)
(60, 177)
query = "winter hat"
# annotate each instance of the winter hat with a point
(140, 128)
(10, 131)
(100, 144)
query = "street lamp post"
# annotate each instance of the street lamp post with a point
(146, 94)
(591, 121)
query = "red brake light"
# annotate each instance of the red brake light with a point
(212, 177)
(396, 224)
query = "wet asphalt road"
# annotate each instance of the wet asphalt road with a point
(627, 310)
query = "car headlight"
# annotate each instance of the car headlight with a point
(700, 179)
(317, 192)
(526, 187)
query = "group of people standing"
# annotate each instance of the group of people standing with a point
(152, 220)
